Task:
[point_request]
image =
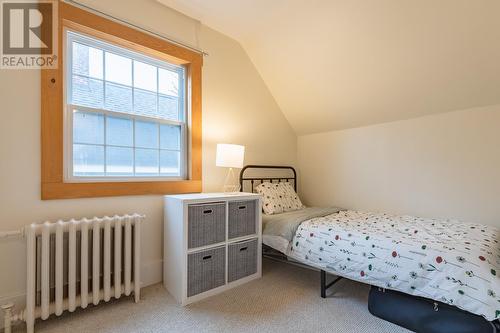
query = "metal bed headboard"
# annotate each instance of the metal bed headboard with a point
(261, 180)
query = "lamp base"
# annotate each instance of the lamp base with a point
(230, 184)
(231, 188)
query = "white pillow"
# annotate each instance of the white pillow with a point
(278, 198)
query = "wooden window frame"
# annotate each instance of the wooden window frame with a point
(52, 110)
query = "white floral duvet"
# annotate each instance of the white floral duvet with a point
(447, 261)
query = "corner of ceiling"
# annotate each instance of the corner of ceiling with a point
(197, 16)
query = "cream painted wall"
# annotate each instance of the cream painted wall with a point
(338, 64)
(445, 165)
(237, 108)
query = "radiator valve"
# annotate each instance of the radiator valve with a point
(7, 316)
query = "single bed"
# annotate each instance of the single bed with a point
(447, 261)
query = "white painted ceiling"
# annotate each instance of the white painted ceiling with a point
(335, 64)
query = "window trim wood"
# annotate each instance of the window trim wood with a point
(52, 110)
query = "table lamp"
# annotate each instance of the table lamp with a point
(230, 156)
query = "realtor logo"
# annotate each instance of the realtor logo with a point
(29, 34)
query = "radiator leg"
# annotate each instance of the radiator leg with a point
(7, 317)
(323, 283)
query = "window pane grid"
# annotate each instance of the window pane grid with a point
(78, 79)
(121, 84)
(130, 85)
(127, 112)
(118, 146)
(166, 106)
(168, 102)
(121, 160)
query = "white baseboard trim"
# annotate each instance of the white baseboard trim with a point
(151, 272)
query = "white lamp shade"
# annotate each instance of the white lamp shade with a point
(230, 156)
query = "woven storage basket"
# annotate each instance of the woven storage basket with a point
(206, 224)
(242, 260)
(241, 218)
(206, 270)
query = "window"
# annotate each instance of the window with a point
(125, 113)
(121, 113)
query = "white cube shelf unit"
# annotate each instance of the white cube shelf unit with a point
(212, 242)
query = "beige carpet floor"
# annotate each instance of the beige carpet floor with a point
(286, 299)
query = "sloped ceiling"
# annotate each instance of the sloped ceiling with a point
(335, 64)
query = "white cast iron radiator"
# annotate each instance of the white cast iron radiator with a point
(73, 263)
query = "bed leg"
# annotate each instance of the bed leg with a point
(323, 283)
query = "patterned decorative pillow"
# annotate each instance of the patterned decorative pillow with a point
(291, 200)
(278, 198)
